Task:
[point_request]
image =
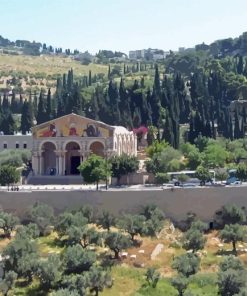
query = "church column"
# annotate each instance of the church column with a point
(59, 162)
(64, 163)
(82, 156)
(40, 162)
(35, 163)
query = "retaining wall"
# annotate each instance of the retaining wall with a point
(176, 204)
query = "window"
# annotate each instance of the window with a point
(17, 146)
(5, 146)
(24, 146)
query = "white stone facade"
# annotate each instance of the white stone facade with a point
(59, 154)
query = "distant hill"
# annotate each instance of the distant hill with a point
(224, 47)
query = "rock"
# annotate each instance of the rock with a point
(141, 251)
(172, 228)
(156, 251)
(124, 255)
(204, 252)
(220, 245)
(139, 264)
(132, 257)
(240, 246)
(189, 251)
(48, 230)
(91, 248)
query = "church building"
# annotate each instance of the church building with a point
(59, 146)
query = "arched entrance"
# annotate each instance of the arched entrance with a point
(49, 159)
(72, 159)
(97, 148)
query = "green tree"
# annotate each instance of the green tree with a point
(76, 283)
(48, 106)
(215, 155)
(8, 282)
(117, 242)
(186, 264)
(42, 215)
(193, 240)
(156, 147)
(66, 220)
(106, 220)
(161, 178)
(233, 233)
(164, 161)
(30, 231)
(241, 172)
(154, 219)
(221, 175)
(203, 174)
(49, 272)
(8, 124)
(41, 113)
(232, 214)
(84, 236)
(8, 175)
(21, 257)
(152, 277)
(133, 225)
(124, 164)
(180, 283)
(26, 117)
(77, 260)
(231, 277)
(152, 134)
(98, 279)
(7, 223)
(182, 178)
(94, 169)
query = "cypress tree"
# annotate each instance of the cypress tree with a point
(157, 80)
(35, 105)
(109, 72)
(5, 104)
(8, 124)
(240, 65)
(41, 114)
(90, 78)
(237, 131)
(76, 100)
(14, 104)
(70, 80)
(26, 118)
(20, 104)
(48, 106)
(168, 134)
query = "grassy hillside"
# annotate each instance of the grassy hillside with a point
(49, 65)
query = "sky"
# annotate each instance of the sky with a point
(122, 25)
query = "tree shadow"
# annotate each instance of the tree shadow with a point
(226, 253)
(56, 243)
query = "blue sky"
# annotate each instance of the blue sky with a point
(122, 24)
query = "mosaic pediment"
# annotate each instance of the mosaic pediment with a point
(72, 125)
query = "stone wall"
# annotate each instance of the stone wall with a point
(176, 204)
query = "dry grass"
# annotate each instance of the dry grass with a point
(47, 64)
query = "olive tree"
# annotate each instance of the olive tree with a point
(232, 276)
(117, 242)
(233, 233)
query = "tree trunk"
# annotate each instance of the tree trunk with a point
(97, 185)
(234, 247)
(116, 254)
(96, 291)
